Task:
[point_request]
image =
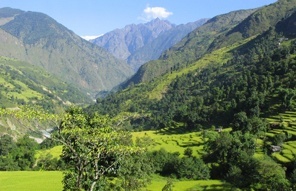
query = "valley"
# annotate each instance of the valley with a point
(215, 109)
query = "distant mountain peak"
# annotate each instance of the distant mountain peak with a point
(139, 43)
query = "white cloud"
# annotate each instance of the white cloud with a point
(90, 37)
(150, 13)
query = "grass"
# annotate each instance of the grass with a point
(31, 181)
(55, 152)
(52, 181)
(173, 142)
(189, 185)
(286, 124)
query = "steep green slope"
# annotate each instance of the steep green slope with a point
(258, 22)
(23, 84)
(287, 26)
(40, 40)
(192, 47)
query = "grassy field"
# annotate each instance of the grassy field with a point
(31, 181)
(55, 152)
(188, 185)
(52, 181)
(173, 142)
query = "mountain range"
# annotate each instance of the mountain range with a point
(190, 48)
(138, 44)
(203, 79)
(41, 41)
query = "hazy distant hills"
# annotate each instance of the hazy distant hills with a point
(39, 40)
(137, 44)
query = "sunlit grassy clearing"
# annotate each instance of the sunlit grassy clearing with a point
(31, 181)
(173, 142)
(182, 185)
(219, 56)
(55, 152)
(52, 181)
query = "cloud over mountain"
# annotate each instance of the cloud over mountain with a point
(150, 13)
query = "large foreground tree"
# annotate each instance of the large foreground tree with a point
(93, 149)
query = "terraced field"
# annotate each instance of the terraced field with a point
(173, 142)
(189, 185)
(284, 123)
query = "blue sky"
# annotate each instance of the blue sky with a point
(95, 17)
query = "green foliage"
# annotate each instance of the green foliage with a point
(168, 186)
(170, 164)
(135, 171)
(49, 163)
(27, 120)
(251, 82)
(270, 175)
(92, 149)
(254, 125)
(25, 154)
(192, 168)
(188, 152)
(17, 155)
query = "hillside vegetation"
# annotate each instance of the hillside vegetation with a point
(30, 98)
(23, 84)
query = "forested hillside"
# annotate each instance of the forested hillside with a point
(240, 95)
(24, 85)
